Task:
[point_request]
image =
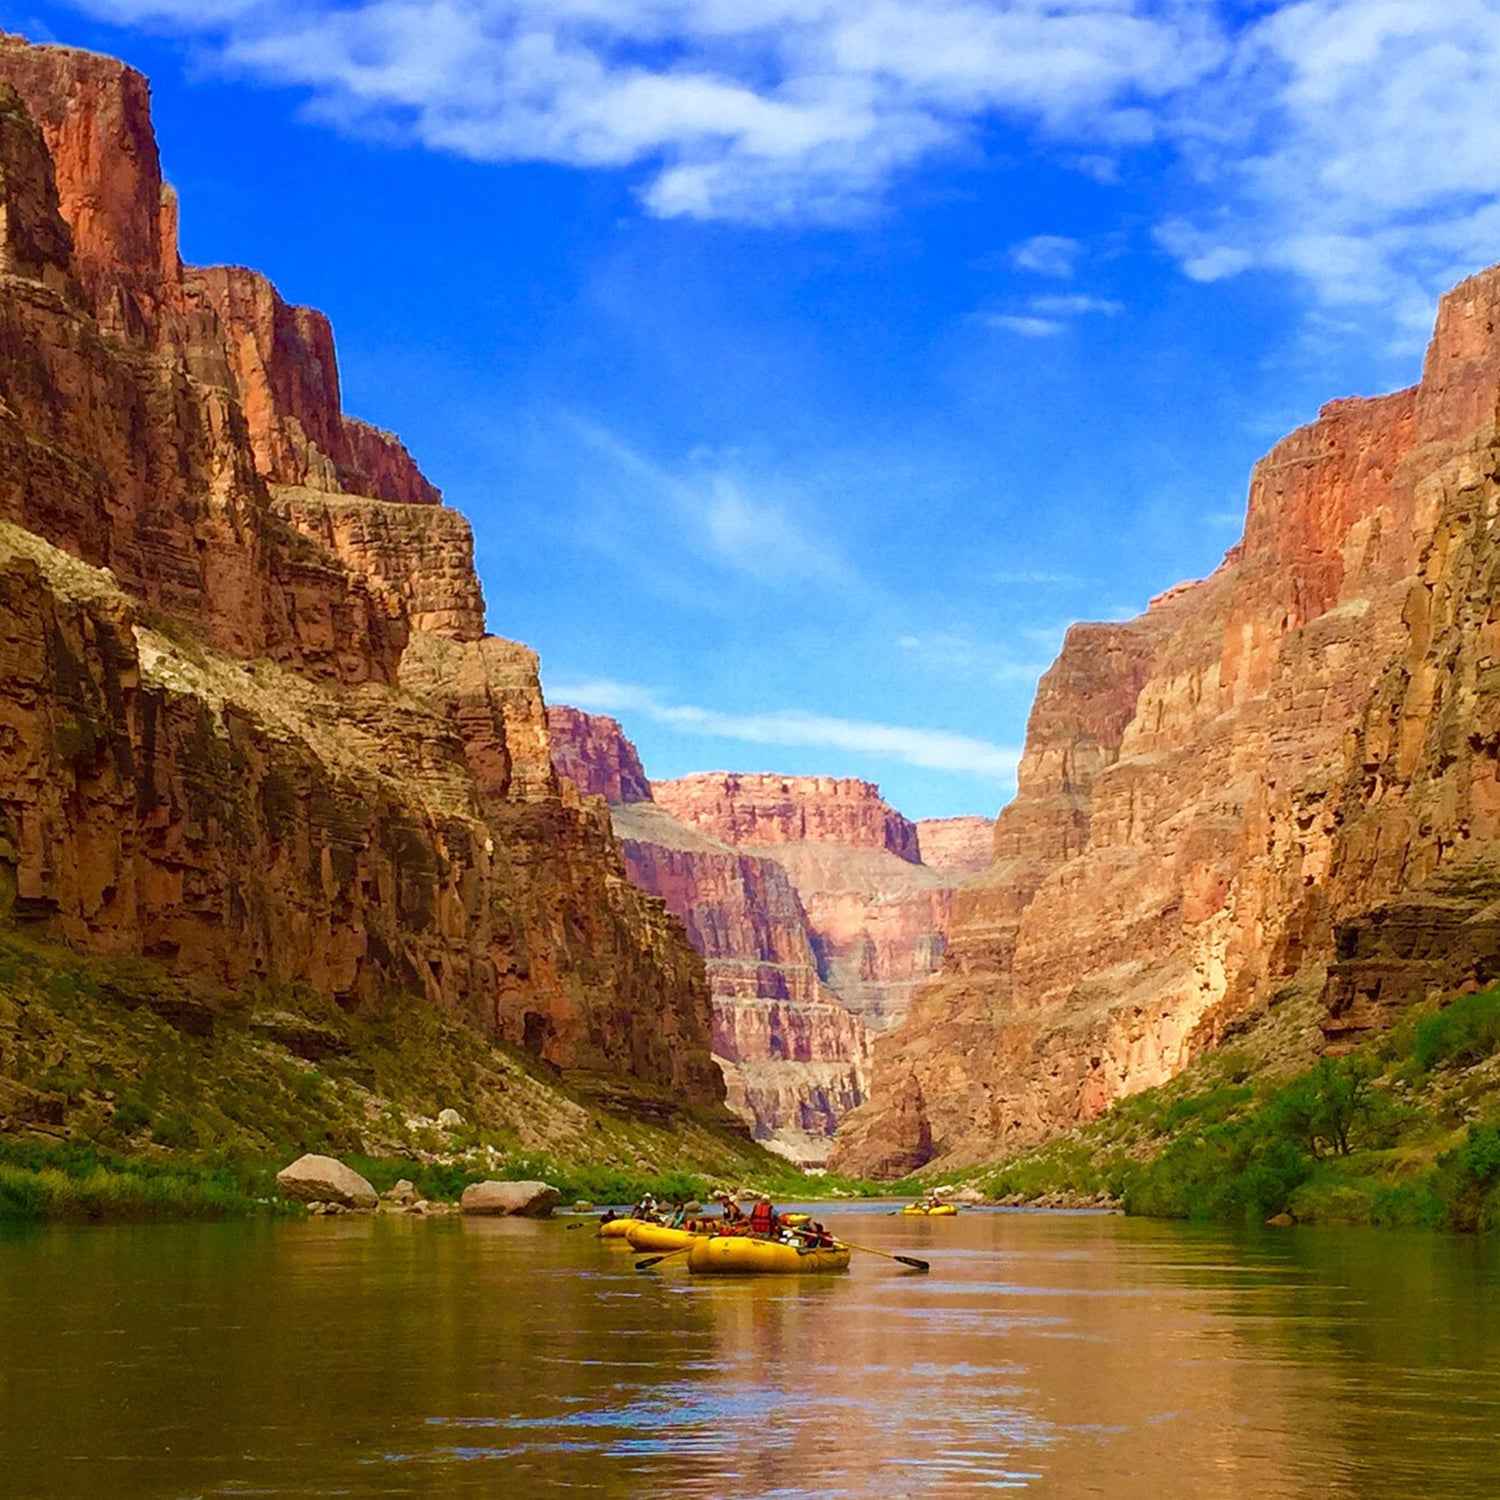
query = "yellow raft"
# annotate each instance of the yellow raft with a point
(738, 1255)
(619, 1229)
(658, 1237)
(942, 1211)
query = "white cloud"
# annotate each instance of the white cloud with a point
(930, 749)
(1047, 255)
(1027, 327)
(1046, 317)
(1347, 143)
(1074, 307)
(744, 109)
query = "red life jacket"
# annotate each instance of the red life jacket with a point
(762, 1219)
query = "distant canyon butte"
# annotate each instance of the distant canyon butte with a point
(252, 727)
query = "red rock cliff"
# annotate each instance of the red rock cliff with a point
(592, 752)
(956, 846)
(755, 810)
(1281, 776)
(205, 755)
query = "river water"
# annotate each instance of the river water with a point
(1054, 1354)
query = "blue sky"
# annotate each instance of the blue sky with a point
(806, 366)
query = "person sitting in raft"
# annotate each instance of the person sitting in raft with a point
(608, 1216)
(729, 1208)
(645, 1209)
(815, 1237)
(763, 1217)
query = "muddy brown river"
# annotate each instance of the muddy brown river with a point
(1053, 1354)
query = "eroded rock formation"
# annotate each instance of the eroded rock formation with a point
(258, 733)
(1285, 775)
(806, 898)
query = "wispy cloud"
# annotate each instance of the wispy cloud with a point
(1075, 306)
(727, 517)
(930, 749)
(1022, 323)
(1047, 255)
(1046, 317)
(1040, 578)
(957, 653)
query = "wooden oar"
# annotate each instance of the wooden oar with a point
(656, 1260)
(906, 1260)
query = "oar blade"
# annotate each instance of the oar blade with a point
(913, 1262)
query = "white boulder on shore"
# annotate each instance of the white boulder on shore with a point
(322, 1179)
(532, 1200)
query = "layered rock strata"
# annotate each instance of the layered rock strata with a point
(878, 915)
(805, 896)
(1285, 775)
(261, 736)
(956, 846)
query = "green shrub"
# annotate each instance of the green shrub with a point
(1465, 1032)
(1468, 1181)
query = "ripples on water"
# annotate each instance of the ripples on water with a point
(1053, 1354)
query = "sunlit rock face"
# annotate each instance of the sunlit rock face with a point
(259, 734)
(805, 896)
(592, 752)
(956, 846)
(1284, 775)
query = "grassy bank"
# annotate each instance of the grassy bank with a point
(124, 1095)
(1404, 1130)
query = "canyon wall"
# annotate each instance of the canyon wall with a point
(1284, 777)
(878, 915)
(808, 901)
(250, 723)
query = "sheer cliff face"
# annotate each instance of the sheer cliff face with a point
(878, 915)
(1283, 775)
(806, 898)
(592, 752)
(793, 1057)
(258, 732)
(760, 810)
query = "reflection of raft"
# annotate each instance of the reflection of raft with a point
(941, 1211)
(619, 1229)
(739, 1255)
(658, 1237)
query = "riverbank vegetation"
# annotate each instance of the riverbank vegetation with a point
(127, 1095)
(1402, 1130)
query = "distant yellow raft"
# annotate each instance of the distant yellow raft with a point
(737, 1255)
(942, 1211)
(658, 1237)
(619, 1229)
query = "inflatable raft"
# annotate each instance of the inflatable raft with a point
(942, 1211)
(658, 1237)
(739, 1255)
(619, 1229)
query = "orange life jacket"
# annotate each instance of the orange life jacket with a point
(762, 1219)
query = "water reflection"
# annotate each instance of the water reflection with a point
(1055, 1354)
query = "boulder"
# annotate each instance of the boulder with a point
(532, 1200)
(403, 1193)
(321, 1179)
(450, 1119)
